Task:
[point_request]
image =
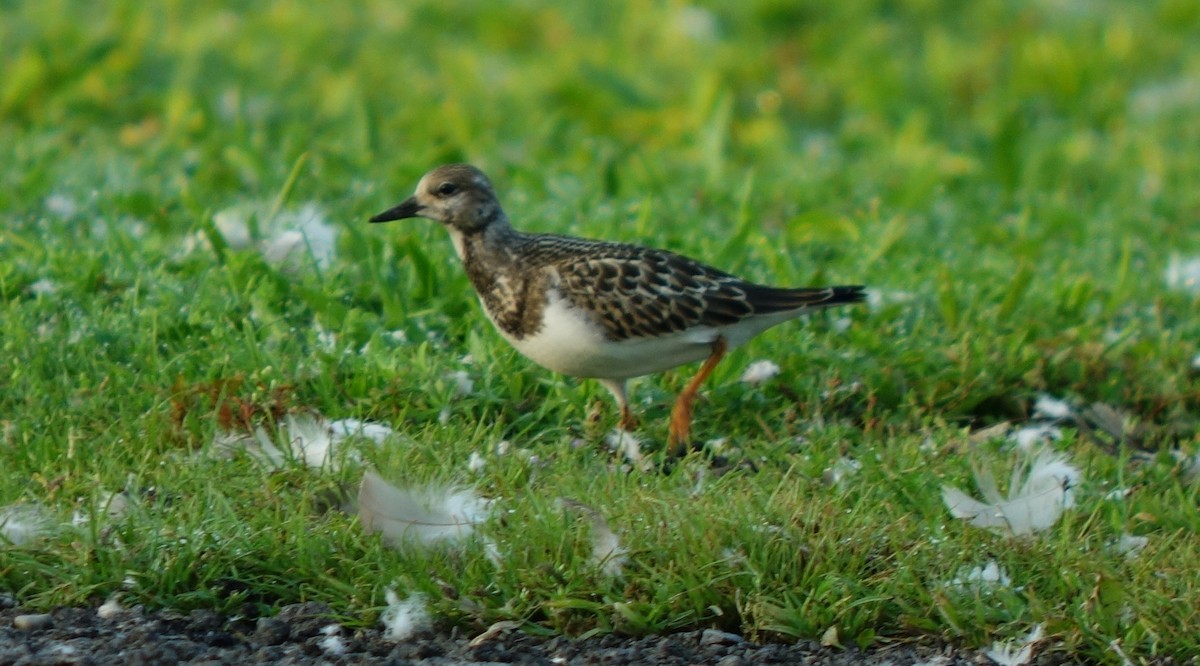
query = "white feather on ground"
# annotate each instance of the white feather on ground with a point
(607, 551)
(1031, 436)
(491, 550)
(1047, 406)
(759, 371)
(309, 438)
(630, 447)
(403, 618)
(332, 643)
(424, 516)
(981, 578)
(476, 462)
(111, 608)
(1032, 505)
(345, 428)
(257, 445)
(43, 287)
(295, 236)
(463, 384)
(289, 240)
(1183, 274)
(109, 506)
(608, 555)
(837, 473)
(1017, 652)
(1130, 545)
(22, 523)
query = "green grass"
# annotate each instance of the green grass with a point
(1023, 171)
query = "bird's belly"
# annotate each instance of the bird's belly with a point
(607, 359)
(570, 343)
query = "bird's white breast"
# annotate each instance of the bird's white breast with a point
(570, 342)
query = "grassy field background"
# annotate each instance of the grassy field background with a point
(1017, 181)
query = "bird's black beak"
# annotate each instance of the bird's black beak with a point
(407, 208)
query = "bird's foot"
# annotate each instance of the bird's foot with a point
(679, 441)
(718, 464)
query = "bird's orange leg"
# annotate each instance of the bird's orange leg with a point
(678, 432)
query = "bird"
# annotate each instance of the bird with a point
(598, 309)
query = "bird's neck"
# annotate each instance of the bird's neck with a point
(494, 262)
(490, 241)
(487, 252)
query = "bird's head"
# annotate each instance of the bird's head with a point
(457, 195)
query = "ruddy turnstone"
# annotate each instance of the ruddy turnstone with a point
(610, 311)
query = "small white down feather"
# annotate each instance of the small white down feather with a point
(1032, 505)
(424, 516)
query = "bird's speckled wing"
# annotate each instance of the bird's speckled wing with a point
(637, 292)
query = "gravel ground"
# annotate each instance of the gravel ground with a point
(306, 634)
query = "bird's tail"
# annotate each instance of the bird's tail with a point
(846, 295)
(773, 299)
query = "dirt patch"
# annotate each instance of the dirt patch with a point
(308, 634)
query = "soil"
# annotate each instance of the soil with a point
(308, 634)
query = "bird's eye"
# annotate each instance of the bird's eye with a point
(446, 189)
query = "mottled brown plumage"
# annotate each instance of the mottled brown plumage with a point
(599, 309)
(640, 292)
